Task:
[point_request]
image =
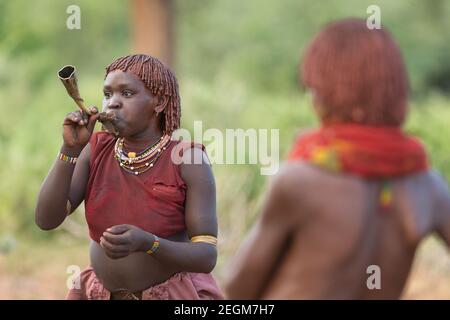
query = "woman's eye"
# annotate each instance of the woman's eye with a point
(107, 95)
(127, 93)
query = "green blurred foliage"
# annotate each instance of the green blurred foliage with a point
(260, 42)
(34, 44)
(237, 62)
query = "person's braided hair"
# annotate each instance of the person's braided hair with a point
(357, 74)
(159, 79)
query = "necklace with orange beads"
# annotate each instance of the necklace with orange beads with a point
(139, 163)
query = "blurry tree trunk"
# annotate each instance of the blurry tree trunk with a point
(152, 28)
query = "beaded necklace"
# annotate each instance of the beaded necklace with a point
(139, 163)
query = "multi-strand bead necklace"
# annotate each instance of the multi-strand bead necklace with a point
(140, 163)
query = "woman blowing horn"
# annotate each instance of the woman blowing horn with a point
(152, 222)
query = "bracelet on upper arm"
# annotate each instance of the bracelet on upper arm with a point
(205, 238)
(66, 158)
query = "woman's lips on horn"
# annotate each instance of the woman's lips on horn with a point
(109, 120)
(108, 116)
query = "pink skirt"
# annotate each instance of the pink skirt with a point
(181, 286)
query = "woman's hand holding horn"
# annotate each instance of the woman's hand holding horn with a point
(77, 130)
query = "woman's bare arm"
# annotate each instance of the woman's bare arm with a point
(253, 265)
(200, 215)
(59, 187)
(66, 182)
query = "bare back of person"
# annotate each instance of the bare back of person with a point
(330, 222)
(320, 231)
(340, 230)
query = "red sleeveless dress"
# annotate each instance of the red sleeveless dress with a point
(153, 201)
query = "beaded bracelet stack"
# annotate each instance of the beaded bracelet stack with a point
(66, 158)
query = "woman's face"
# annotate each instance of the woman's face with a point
(130, 100)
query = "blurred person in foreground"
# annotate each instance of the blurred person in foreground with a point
(150, 209)
(355, 193)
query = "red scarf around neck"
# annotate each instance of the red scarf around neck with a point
(367, 151)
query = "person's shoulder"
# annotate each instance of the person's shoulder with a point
(439, 183)
(292, 180)
(435, 176)
(299, 183)
(97, 141)
(431, 182)
(101, 136)
(441, 205)
(191, 160)
(287, 193)
(183, 145)
(187, 153)
(297, 174)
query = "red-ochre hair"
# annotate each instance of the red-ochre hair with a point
(356, 74)
(159, 79)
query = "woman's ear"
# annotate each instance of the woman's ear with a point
(162, 103)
